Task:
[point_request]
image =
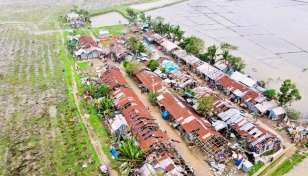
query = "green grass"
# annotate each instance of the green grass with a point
(113, 30)
(103, 135)
(288, 164)
(83, 65)
(255, 168)
(120, 9)
(94, 120)
(270, 166)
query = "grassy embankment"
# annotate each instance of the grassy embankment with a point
(288, 164)
(94, 119)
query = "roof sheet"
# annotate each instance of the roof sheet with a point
(148, 79)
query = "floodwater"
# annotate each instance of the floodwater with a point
(108, 19)
(272, 35)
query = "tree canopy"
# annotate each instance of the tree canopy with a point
(206, 105)
(153, 97)
(135, 45)
(130, 152)
(153, 64)
(97, 91)
(193, 45)
(288, 93)
(131, 68)
(104, 105)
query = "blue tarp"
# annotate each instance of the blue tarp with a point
(170, 66)
(165, 115)
(150, 41)
(114, 153)
(189, 94)
(238, 162)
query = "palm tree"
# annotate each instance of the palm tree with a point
(104, 106)
(225, 56)
(178, 34)
(131, 153)
(212, 51)
(167, 29)
(107, 105)
(236, 63)
(104, 89)
(89, 88)
(149, 21)
(227, 46)
(160, 27)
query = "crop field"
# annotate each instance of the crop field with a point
(39, 133)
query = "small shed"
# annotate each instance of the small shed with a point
(104, 34)
(277, 113)
(246, 166)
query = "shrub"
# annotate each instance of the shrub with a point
(293, 113)
(270, 93)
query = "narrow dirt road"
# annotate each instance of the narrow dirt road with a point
(84, 117)
(192, 156)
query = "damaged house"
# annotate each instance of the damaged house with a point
(139, 121)
(256, 138)
(120, 50)
(88, 48)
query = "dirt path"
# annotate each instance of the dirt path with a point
(192, 156)
(84, 117)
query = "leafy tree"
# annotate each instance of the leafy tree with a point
(204, 57)
(131, 68)
(177, 33)
(149, 20)
(206, 105)
(131, 12)
(163, 69)
(236, 63)
(153, 97)
(167, 29)
(288, 93)
(270, 93)
(153, 64)
(71, 45)
(293, 114)
(142, 16)
(193, 45)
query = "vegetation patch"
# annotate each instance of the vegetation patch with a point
(120, 9)
(83, 65)
(255, 168)
(113, 30)
(288, 164)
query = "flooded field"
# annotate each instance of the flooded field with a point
(274, 45)
(108, 19)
